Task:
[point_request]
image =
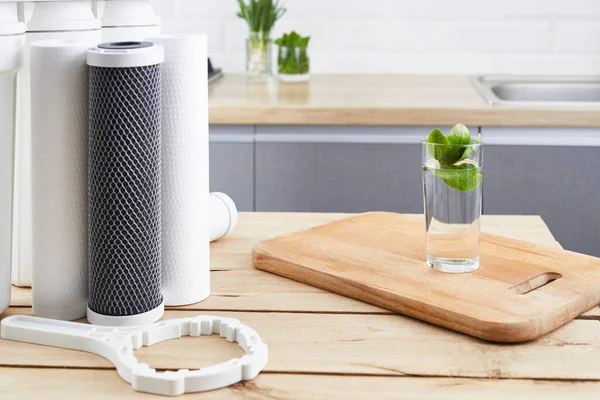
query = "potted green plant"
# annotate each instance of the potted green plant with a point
(260, 15)
(293, 63)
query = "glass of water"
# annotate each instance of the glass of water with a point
(452, 187)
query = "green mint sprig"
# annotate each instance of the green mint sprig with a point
(451, 150)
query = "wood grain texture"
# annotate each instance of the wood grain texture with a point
(594, 313)
(338, 348)
(379, 258)
(55, 384)
(234, 252)
(254, 290)
(357, 344)
(377, 100)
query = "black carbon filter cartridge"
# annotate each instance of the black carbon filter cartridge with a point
(124, 183)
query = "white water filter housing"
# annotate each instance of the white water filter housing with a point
(184, 185)
(59, 171)
(50, 20)
(128, 20)
(222, 215)
(12, 41)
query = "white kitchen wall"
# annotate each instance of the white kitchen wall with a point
(420, 36)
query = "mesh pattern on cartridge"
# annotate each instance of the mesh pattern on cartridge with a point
(124, 190)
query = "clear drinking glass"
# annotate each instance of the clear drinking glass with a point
(452, 187)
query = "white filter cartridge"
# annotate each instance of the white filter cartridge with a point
(12, 41)
(51, 20)
(59, 142)
(184, 184)
(222, 214)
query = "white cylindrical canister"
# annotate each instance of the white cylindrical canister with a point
(222, 215)
(50, 20)
(59, 143)
(129, 20)
(124, 210)
(12, 42)
(184, 185)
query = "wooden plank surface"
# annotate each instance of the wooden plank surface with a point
(377, 100)
(379, 258)
(357, 344)
(15, 384)
(349, 349)
(233, 253)
(255, 290)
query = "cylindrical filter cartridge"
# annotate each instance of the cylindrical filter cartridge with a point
(184, 185)
(12, 41)
(51, 20)
(129, 20)
(124, 183)
(59, 142)
(222, 215)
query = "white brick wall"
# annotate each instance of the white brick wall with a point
(427, 36)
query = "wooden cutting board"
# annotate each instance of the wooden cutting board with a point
(379, 258)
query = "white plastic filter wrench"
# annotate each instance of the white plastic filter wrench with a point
(117, 345)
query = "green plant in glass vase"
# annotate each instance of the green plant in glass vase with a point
(292, 57)
(260, 15)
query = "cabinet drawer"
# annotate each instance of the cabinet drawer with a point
(232, 163)
(549, 172)
(339, 169)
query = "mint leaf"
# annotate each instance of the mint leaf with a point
(450, 150)
(459, 134)
(471, 149)
(437, 137)
(465, 177)
(444, 152)
(459, 146)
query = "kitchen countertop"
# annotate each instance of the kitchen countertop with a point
(321, 345)
(377, 100)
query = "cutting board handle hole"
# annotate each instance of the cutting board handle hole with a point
(535, 283)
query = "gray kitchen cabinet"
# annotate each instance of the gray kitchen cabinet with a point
(232, 163)
(550, 172)
(339, 168)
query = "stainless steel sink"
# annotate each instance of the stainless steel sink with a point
(532, 90)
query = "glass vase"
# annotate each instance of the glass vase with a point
(258, 57)
(452, 191)
(293, 64)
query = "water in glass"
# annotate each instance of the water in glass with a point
(452, 224)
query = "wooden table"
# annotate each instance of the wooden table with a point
(324, 346)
